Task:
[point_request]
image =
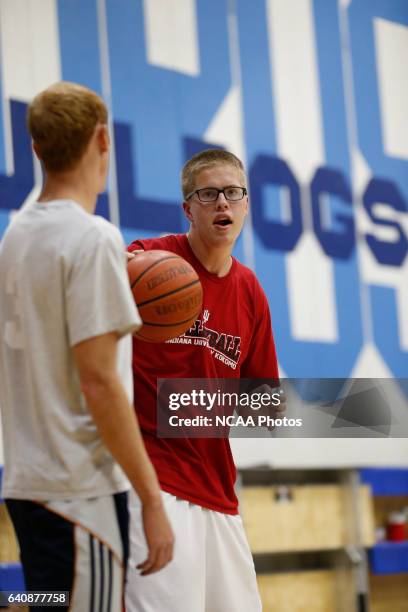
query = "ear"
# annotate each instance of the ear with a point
(187, 211)
(102, 137)
(246, 206)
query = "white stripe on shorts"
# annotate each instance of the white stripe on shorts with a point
(98, 567)
(98, 579)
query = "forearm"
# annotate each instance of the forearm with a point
(119, 429)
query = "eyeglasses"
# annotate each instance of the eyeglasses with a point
(210, 194)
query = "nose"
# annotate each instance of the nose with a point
(222, 201)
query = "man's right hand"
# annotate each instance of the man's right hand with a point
(131, 254)
(159, 538)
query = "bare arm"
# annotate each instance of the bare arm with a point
(118, 427)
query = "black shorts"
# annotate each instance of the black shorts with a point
(80, 546)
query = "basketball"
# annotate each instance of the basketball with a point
(168, 294)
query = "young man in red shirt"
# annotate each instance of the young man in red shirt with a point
(212, 569)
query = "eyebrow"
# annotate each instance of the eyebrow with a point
(226, 187)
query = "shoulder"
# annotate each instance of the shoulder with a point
(172, 242)
(250, 287)
(97, 231)
(87, 226)
(106, 229)
(95, 239)
(247, 276)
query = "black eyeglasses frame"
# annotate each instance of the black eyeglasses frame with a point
(197, 191)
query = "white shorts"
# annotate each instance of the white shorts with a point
(212, 569)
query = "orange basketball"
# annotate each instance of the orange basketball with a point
(167, 292)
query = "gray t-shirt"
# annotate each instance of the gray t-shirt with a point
(63, 280)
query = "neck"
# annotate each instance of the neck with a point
(69, 186)
(216, 260)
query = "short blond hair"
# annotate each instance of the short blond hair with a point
(61, 120)
(208, 159)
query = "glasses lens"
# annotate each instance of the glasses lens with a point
(207, 195)
(234, 193)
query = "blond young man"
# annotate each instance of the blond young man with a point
(66, 315)
(212, 569)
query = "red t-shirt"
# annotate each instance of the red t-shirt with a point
(240, 345)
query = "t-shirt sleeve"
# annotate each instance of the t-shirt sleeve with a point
(98, 295)
(136, 245)
(261, 360)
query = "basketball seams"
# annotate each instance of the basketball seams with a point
(164, 295)
(155, 263)
(176, 324)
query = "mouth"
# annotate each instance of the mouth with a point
(223, 221)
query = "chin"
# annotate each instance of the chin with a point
(224, 240)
